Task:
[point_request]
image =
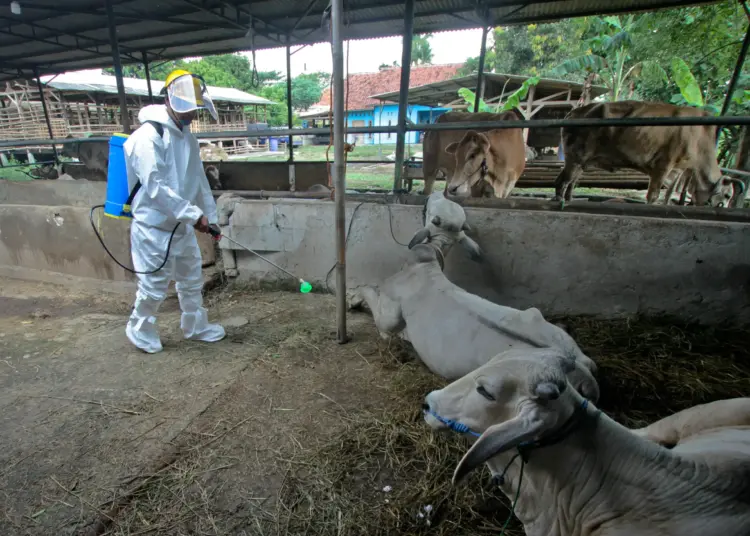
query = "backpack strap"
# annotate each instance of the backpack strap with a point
(160, 131)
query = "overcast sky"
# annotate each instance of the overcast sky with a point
(366, 56)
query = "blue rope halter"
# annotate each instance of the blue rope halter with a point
(456, 426)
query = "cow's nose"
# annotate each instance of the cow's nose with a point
(452, 190)
(425, 407)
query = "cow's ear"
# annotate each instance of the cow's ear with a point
(483, 141)
(451, 148)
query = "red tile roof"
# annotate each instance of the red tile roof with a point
(362, 86)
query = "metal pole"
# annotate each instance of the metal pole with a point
(118, 67)
(339, 168)
(289, 118)
(480, 75)
(148, 78)
(46, 112)
(403, 97)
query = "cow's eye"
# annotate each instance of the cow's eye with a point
(482, 391)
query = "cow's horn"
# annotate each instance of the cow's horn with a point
(738, 182)
(419, 237)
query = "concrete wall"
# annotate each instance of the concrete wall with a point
(562, 263)
(45, 229)
(60, 239)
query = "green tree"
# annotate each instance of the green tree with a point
(306, 90)
(225, 70)
(421, 51)
(609, 59)
(471, 66)
(535, 49)
(707, 37)
(158, 71)
(529, 50)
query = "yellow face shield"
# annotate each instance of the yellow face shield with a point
(188, 93)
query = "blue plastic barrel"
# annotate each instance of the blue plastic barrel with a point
(273, 144)
(117, 180)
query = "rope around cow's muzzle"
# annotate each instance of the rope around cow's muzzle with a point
(456, 426)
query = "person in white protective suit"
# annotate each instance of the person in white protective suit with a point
(173, 189)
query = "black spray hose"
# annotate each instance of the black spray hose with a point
(98, 236)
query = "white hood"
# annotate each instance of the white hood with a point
(158, 113)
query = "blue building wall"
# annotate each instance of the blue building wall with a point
(387, 115)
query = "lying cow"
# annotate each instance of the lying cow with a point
(692, 422)
(570, 470)
(455, 332)
(436, 163)
(655, 151)
(496, 158)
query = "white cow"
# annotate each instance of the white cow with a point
(455, 332)
(583, 473)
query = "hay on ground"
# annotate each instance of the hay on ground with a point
(648, 368)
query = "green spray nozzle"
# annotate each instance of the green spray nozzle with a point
(304, 286)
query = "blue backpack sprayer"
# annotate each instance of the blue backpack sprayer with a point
(119, 199)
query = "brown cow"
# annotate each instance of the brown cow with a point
(495, 158)
(655, 151)
(681, 188)
(436, 162)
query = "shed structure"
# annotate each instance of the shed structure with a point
(548, 99)
(48, 37)
(85, 103)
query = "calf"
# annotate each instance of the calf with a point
(655, 151)
(455, 332)
(496, 158)
(435, 161)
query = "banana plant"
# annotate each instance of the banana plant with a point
(609, 56)
(685, 81)
(470, 98)
(513, 100)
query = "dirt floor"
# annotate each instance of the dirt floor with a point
(277, 429)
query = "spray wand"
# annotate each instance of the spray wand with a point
(304, 286)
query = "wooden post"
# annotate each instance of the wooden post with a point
(480, 75)
(148, 77)
(403, 97)
(79, 114)
(529, 105)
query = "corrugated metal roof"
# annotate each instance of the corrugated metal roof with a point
(446, 91)
(56, 36)
(101, 83)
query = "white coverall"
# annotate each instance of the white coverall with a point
(174, 189)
